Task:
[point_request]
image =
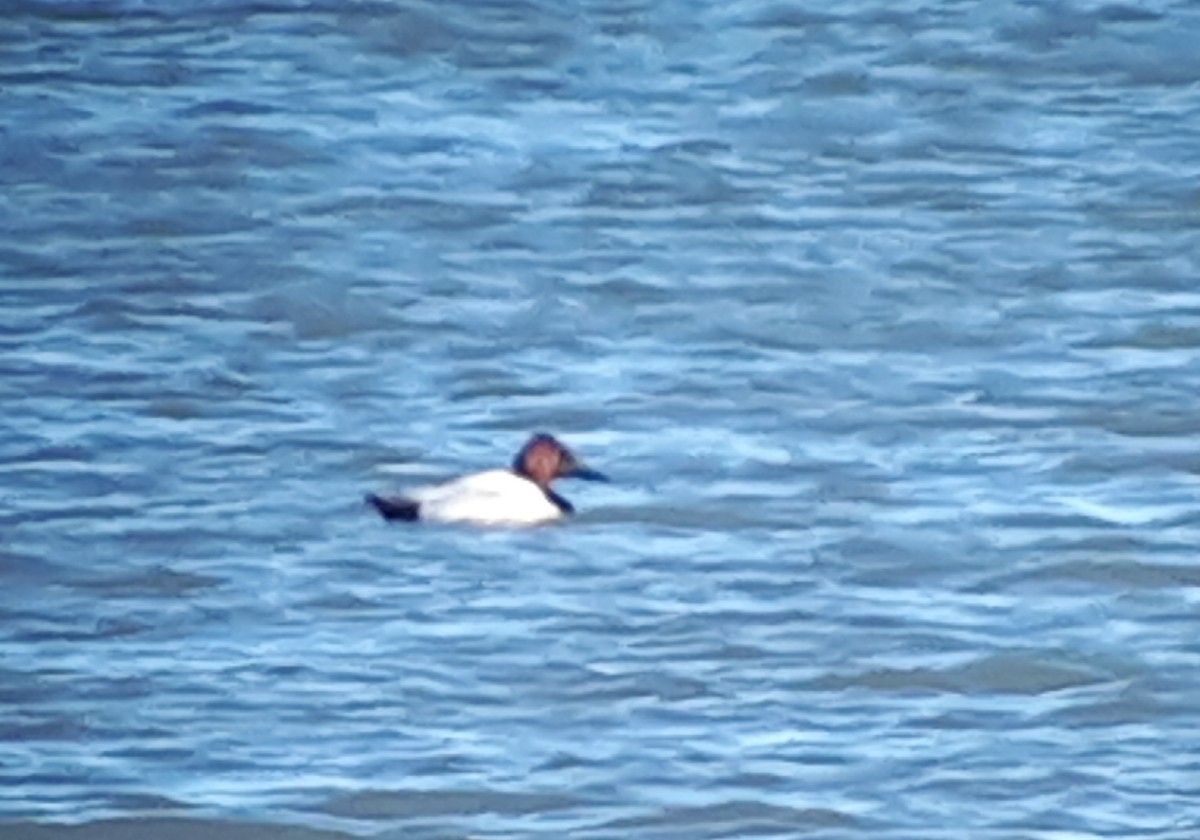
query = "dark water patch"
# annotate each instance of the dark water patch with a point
(493, 381)
(410, 31)
(1019, 672)
(1044, 521)
(226, 107)
(21, 689)
(1130, 557)
(225, 154)
(886, 563)
(1115, 574)
(742, 818)
(1157, 336)
(157, 582)
(785, 17)
(348, 604)
(757, 781)
(140, 803)
(843, 83)
(180, 409)
(57, 728)
(1148, 422)
(423, 210)
(176, 311)
(1138, 704)
(42, 629)
(661, 183)
(1107, 465)
(565, 761)
(17, 568)
(159, 828)
(965, 721)
(669, 520)
(78, 11)
(112, 688)
(669, 688)
(151, 753)
(418, 804)
(320, 312)
(1124, 13)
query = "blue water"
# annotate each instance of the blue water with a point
(885, 317)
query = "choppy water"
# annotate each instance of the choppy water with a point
(885, 317)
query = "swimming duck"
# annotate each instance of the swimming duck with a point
(517, 496)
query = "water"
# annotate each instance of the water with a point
(884, 317)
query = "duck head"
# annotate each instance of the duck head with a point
(543, 459)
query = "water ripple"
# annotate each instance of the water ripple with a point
(883, 319)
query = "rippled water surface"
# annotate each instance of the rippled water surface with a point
(885, 318)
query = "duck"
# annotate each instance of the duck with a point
(520, 495)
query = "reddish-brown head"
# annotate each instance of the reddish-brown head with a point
(543, 459)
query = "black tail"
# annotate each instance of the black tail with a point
(395, 508)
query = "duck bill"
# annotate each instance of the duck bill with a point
(587, 474)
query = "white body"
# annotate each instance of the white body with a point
(495, 497)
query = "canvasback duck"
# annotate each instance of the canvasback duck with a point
(517, 496)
